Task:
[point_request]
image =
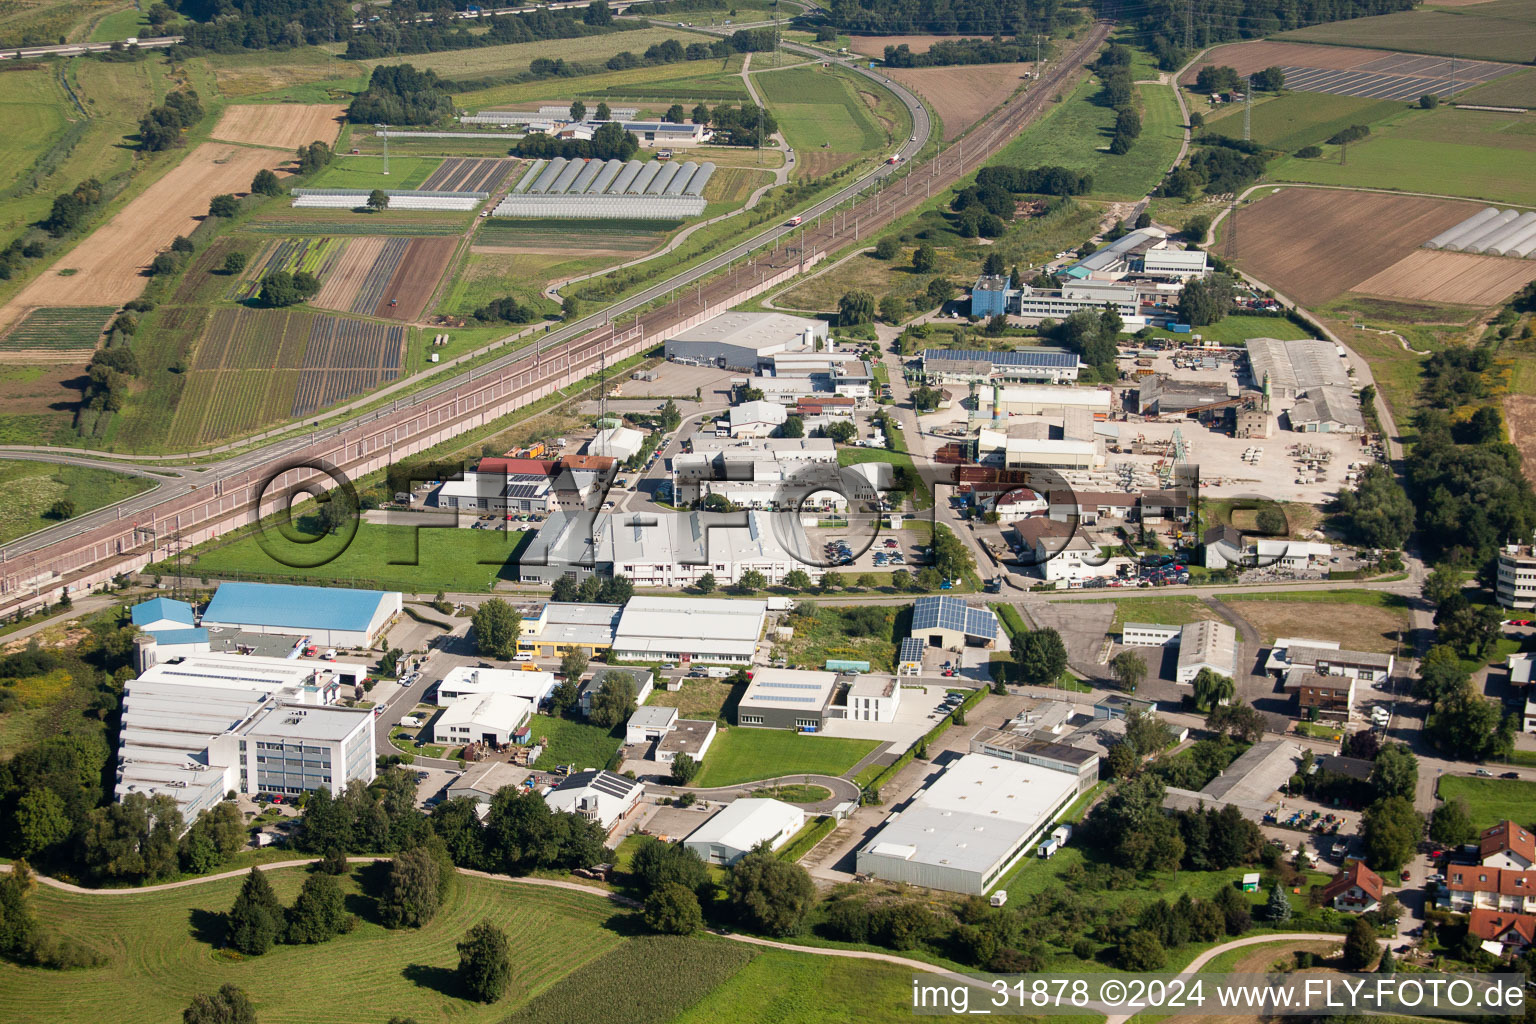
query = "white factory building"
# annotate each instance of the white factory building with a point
(1206, 644)
(490, 718)
(667, 549)
(497, 492)
(966, 829)
(770, 474)
(874, 698)
(1285, 369)
(466, 680)
(200, 727)
(737, 828)
(710, 630)
(757, 419)
(598, 796)
(745, 341)
(1024, 446)
(620, 443)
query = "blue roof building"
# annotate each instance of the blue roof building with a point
(330, 617)
(989, 296)
(160, 613)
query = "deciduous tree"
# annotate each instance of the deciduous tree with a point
(485, 962)
(673, 909)
(497, 626)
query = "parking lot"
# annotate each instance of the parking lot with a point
(919, 711)
(891, 550)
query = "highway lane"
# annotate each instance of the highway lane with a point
(864, 213)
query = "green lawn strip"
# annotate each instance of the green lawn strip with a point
(819, 109)
(578, 744)
(1491, 801)
(779, 987)
(378, 556)
(806, 839)
(405, 172)
(32, 488)
(1170, 610)
(1291, 120)
(744, 755)
(1370, 598)
(1502, 32)
(161, 947)
(1237, 329)
(794, 793)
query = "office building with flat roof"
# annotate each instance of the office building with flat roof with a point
(676, 629)
(329, 616)
(779, 698)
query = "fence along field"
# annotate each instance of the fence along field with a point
(284, 126)
(257, 367)
(109, 264)
(55, 334)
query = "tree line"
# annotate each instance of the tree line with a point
(400, 94)
(400, 35)
(948, 52)
(162, 127)
(952, 17)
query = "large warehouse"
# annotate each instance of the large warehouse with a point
(678, 629)
(980, 366)
(737, 828)
(968, 827)
(745, 341)
(329, 616)
(1287, 368)
(951, 623)
(781, 698)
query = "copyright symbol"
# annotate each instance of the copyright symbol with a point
(336, 513)
(1112, 992)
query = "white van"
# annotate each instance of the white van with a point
(522, 656)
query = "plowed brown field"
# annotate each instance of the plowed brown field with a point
(1458, 277)
(1313, 244)
(423, 265)
(109, 265)
(1258, 54)
(340, 286)
(961, 95)
(281, 125)
(874, 46)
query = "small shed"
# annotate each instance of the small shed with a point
(1251, 882)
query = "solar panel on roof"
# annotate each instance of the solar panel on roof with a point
(522, 491)
(794, 686)
(1066, 359)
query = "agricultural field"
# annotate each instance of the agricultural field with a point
(160, 946)
(487, 275)
(746, 755)
(1291, 120)
(55, 334)
(42, 22)
(962, 95)
(1499, 30)
(32, 116)
(254, 368)
(1516, 90)
(1076, 133)
(284, 126)
(403, 277)
(315, 255)
(874, 46)
(1455, 277)
(824, 116)
(1491, 800)
(31, 488)
(467, 175)
(1358, 620)
(108, 265)
(1315, 244)
(511, 58)
(714, 80)
(392, 557)
(285, 220)
(1477, 154)
(39, 402)
(307, 74)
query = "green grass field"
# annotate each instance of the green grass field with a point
(32, 116)
(744, 755)
(574, 743)
(1492, 800)
(368, 172)
(819, 110)
(1173, 611)
(1503, 30)
(31, 488)
(1516, 90)
(1477, 154)
(458, 65)
(1295, 119)
(448, 559)
(160, 948)
(610, 83)
(1076, 133)
(1237, 329)
(791, 988)
(124, 24)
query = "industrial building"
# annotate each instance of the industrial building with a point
(989, 295)
(950, 623)
(757, 419)
(1144, 252)
(563, 627)
(680, 630)
(620, 443)
(775, 449)
(169, 630)
(1206, 644)
(1148, 634)
(1249, 783)
(741, 826)
(1285, 369)
(497, 492)
(1057, 550)
(1040, 400)
(667, 549)
(1160, 395)
(966, 829)
(873, 698)
(1029, 446)
(599, 796)
(1044, 734)
(745, 341)
(779, 698)
(1059, 303)
(1327, 410)
(466, 680)
(1324, 657)
(979, 366)
(329, 616)
(691, 736)
(490, 717)
(1515, 576)
(762, 477)
(198, 728)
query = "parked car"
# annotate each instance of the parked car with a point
(1483, 773)
(1510, 775)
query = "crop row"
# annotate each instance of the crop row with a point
(379, 276)
(58, 328)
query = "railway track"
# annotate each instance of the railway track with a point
(220, 497)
